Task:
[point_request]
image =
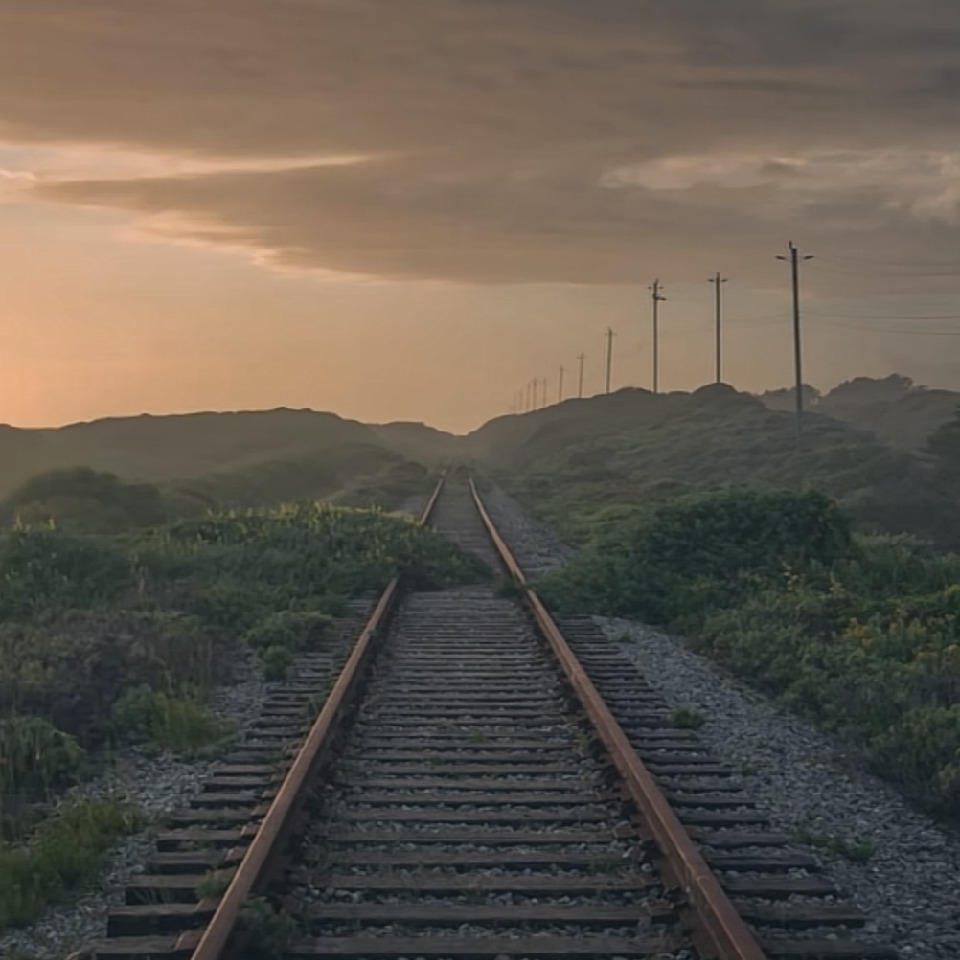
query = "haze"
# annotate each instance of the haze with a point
(408, 210)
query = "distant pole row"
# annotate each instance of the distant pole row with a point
(531, 399)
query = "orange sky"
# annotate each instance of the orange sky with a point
(222, 204)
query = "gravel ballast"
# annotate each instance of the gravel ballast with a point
(810, 784)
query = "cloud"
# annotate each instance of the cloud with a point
(521, 141)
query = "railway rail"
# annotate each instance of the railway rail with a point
(479, 782)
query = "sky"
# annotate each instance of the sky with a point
(410, 210)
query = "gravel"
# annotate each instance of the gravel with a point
(157, 784)
(909, 887)
(535, 546)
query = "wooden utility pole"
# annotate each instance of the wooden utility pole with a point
(560, 386)
(657, 299)
(609, 356)
(718, 281)
(536, 383)
(543, 393)
(581, 358)
(793, 258)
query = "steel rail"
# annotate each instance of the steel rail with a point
(720, 930)
(253, 866)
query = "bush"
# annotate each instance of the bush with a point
(63, 857)
(35, 757)
(697, 551)
(42, 570)
(291, 629)
(166, 722)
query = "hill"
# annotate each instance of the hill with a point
(248, 458)
(894, 409)
(631, 446)
(161, 448)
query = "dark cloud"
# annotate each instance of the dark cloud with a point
(492, 124)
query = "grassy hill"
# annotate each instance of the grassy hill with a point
(158, 449)
(894, 409)
(631, 446)
(244, 459)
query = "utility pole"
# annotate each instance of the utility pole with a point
(794, 259)
(609, 355)
(536, 383)
(718, 281)
(658, 297)
(528, 405)
(543, 393)
(581, 358)
(560, 387)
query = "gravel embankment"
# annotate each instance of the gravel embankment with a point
(535, 546)
(157, 785)
(909, 887)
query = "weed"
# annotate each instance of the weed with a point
(268, 932)
(167, 722)
(856, 851)
(214, 884)
(687, 719)
(62, 857)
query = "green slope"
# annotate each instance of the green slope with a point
(631, 445)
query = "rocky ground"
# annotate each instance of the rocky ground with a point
(157, 785)
(900, 866)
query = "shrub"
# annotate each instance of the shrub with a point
(698, 551)
(62, 857)
(292, 630)
(167, 722)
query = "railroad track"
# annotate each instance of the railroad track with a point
(477, 784)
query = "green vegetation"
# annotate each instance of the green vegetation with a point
(573, 461)
(82, 499)
(264, 931)
(165, 721)
(119, 638)
(61, 857)
(687, 719)
(856, 851)
(99, 633)
(858, 632)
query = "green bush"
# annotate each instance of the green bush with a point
(62, 857)
(696, 551)
(276, 661)
(35, 758)
(293, 630)
(49, 569)
(166, 722)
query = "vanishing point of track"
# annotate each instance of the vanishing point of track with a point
(475, 783)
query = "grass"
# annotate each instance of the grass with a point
(62, 857)
(164, 721)
(687, 719)
(856, 851)
(265, 931)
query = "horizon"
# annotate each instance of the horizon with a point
(423, 423)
